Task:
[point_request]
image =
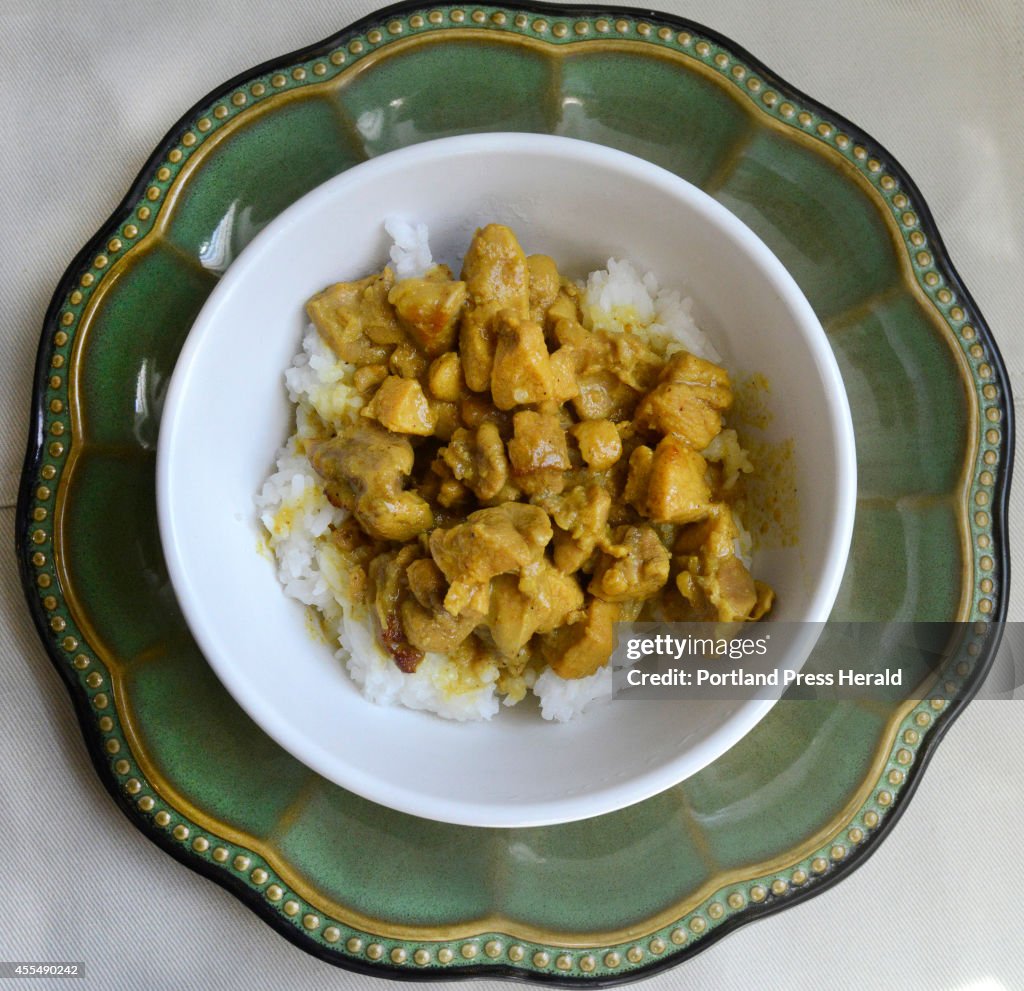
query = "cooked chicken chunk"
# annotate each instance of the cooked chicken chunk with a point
(711, 380)
(368, 377)
(436, 632)
(517, 614)
(407, 361)
(582, 511)
(474, 410)
(497, 278)
(477, 458)
(604, 395)
(502, 539)
(714, 578)
(675, 409)
(545, 283)
(355, 320)
(564, 307)
(677, 489)
(521, 372)
(538, 452)
(633, 362)
(563, 375)
(371, 464)
(599, 443)
(476, 345)
(636, 566)
(445, 489)
(428, 625)
(426, 582)
(495, 269)
(567, 330)
(688, 401)
(444, 377)
(730, 589)
(581, 648)
(429, 310)
(581, 518)
(639, 479)
(668, 485)
(399, 405)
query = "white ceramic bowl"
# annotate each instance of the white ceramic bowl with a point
(227, 413)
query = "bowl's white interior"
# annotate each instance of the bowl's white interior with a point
(227, 413)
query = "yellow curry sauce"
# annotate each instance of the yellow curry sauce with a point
(516, 482)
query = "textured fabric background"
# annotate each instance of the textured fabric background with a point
(89, 89)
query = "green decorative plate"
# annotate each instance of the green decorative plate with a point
(801, 800)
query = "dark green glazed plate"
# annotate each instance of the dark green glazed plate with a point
(801, 800)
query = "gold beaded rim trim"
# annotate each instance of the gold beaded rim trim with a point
(261, 876)
(499, 948)
(90, 677)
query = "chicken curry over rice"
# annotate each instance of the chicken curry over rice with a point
(516, 482)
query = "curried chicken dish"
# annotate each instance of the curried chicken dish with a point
(507, 477)
(490, 471)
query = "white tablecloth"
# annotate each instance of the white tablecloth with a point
(89, 89)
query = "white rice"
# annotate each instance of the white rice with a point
(619, 298)
(297, 515)
(410, 253)
(562, 699)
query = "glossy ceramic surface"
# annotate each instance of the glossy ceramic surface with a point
(794, 805)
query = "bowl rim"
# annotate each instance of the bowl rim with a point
(351, 775)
